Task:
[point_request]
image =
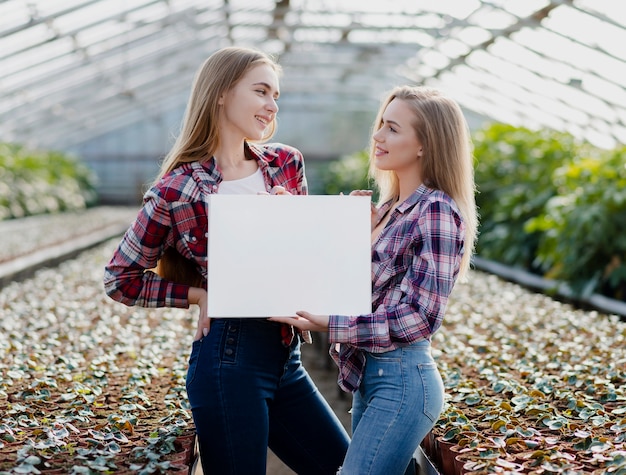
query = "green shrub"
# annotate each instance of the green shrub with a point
(514, 182)
(554, 206)
(346, 174)
(38, 182)
(548, 204)
(583, 228)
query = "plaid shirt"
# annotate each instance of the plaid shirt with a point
(415, 262)
(174, 214)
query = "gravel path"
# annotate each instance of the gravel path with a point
(21, 237)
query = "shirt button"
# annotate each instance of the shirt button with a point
(230, 341)
(228, 351)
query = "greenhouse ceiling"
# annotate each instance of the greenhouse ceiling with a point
(71, 70)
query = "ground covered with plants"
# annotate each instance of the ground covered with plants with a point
(533, 385)
(21, 237)
(88, 385)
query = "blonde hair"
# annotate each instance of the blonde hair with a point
(199, 135)
(447, 160)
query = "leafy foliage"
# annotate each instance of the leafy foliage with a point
(346, 174)
(583, 227)
(514, 180)
(554, 206)
(37, 182)
(548, 204)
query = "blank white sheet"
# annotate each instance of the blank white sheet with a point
(273, 255)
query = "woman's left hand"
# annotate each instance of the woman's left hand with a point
(306, 321)
(276, 190)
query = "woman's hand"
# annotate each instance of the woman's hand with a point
(279, 190)
(306, 321)
(361, 193)
(199, 297)
(276, 190)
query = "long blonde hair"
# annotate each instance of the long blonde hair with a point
(199, 135)
(447, 160)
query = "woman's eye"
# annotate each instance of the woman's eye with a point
(261, 91)
(391, 129)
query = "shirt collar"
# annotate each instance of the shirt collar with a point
(261, 155)
(407, 204)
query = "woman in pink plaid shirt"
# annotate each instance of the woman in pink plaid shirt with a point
(423, 233)
(246, 384)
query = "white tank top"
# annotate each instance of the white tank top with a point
(249, 185)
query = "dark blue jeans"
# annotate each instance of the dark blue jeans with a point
(248, 392)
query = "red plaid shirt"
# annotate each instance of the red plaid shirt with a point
(174, 215)
(415, 263)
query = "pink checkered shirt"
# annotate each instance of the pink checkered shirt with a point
(415, 262)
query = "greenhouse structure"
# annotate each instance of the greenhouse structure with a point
(532, 348)
(109, 79)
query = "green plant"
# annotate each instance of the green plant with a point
(35, 182)
(583, 228)
(26, 462)
(514, 182)
(346, 174)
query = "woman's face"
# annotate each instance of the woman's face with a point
(397, 147)
(250, 106)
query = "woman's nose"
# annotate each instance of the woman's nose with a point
(272, 106)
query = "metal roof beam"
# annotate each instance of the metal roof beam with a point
(45, 19)
(176, 16)
(533, 19)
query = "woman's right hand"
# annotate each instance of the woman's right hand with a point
(199, 297)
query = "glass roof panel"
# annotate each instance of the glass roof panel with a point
(541, 63)
(492, 19)
(519, 9)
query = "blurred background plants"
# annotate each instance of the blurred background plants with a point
(344, 175)
(37, 182)
(548, 203)
(583, 227)
(514, 169)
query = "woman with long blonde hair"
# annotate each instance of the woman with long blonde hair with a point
(423, 234)
(246, 384)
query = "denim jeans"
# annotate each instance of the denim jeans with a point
(399, 401)
(249, 392)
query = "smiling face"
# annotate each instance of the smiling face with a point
(249, 108)
(397, 147)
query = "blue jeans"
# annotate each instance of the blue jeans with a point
(249, 392)
(399, 401)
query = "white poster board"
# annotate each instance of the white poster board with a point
(272, 255)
